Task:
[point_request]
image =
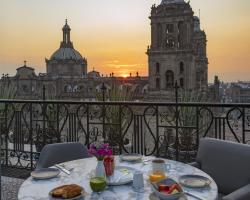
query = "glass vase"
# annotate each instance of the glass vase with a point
(100, 169)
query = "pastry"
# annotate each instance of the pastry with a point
(72, 191)
(67, 191)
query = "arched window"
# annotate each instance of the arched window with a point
(169, 79)
(181, 82)
(170, 42)
(157, 83)
(157, 68)
(181, 67)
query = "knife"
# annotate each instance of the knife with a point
(63, 169)
(193, 195)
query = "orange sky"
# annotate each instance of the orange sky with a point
(114, 34)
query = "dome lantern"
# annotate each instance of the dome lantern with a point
(66, 36)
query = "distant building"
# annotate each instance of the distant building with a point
(178, 48)
(66, 77)
(239, 92)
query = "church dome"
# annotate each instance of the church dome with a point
(66, 50)
(66, 53)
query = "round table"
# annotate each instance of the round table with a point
(38, 189)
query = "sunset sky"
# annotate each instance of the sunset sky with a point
(114, 34)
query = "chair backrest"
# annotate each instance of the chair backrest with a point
(57, 153)
(228, 163)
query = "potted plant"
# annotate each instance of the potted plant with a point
(117, 118)
(187, 117)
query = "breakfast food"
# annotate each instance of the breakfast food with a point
(67, 191)
(173, 189)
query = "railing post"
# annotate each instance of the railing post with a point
(87, 136)
(103, 88)
(6, 133)
(176, 120)
(197, 127)
(57, 123)
(243, 126)
(120, 130)
(157, 131)
(31, 137)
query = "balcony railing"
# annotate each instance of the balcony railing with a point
(170, 130)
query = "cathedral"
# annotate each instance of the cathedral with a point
(66, 61)
(177, 54)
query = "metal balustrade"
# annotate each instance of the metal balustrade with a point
(170, 130)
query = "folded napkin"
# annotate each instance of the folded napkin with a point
(121, 176)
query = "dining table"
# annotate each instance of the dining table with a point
(33, 189)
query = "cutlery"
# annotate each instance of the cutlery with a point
(193, 195)
(146, 161)
(63, 169)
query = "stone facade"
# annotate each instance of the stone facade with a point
(178, 48)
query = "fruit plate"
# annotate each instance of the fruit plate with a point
(131, 157)
(79, 197)
(122, 175)
(194, 181)
(45, 173)
(164, 196)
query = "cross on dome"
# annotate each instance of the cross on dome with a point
(172, 1)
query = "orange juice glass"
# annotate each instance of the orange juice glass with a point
(156, 176)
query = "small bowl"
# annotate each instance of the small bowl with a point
(163, 196)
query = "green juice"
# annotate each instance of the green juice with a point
(98, 184)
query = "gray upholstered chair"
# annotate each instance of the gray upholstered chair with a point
(228, 163)
(57, 153)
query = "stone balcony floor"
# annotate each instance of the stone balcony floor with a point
(10, 187)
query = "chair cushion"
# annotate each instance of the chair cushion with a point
(226, 162)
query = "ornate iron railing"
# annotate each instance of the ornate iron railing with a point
(170, 130)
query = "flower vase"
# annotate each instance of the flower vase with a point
(100, 170)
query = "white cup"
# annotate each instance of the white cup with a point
(138, 182)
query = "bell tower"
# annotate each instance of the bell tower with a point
(173, 55)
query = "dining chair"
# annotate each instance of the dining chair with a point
(228, 163)
(52, 154)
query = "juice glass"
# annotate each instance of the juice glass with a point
(97, 184)
(156, 176)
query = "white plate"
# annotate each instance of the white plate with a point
(132, 157)
(194, 181)
(45, 173)
(122, 175)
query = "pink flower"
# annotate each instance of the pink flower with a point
(100, 151)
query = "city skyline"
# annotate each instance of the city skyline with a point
(116, 36)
